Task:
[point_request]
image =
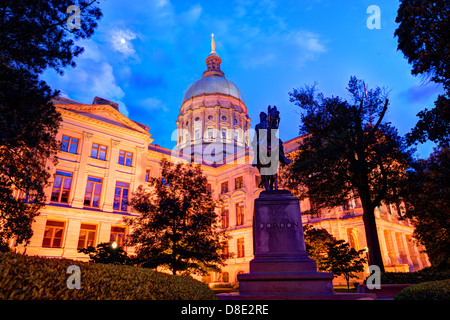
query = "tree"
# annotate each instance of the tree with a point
(34, 36)
(423, 33)
(106, 253)
(348, 151)
(177, 225)
(316, 244)
(344, 261)
(427, 198)
(332, 255)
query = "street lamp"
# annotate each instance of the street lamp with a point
(114, 245)
(366, 249)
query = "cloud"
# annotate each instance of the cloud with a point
(192, 15)
(276, 49)
(121, 42)
(419, 93)
(153, 104)
(93, 76)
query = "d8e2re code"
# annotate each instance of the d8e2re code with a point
(247, 309)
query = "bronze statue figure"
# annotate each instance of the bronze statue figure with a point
(268, 152)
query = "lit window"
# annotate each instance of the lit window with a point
(117, 235)
(87, 236)
(53, 234)
(93, 192)
(69, 144)
(98, 151)
(61, 187)
(240, 248)
(225, 217)
(121, 196)
(239, 213)
(224, 187)
(125, 158)
(239, 182)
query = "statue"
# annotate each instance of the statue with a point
(213, 44)
(268, 152)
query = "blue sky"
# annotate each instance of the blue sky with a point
(145, 54)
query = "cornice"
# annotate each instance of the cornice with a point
(133, 129)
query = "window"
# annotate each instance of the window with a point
(225, 217)
(87, 236)
(224, 133)
(197, 134)
(224, 187)
(225, 277)
(61, 187)
(235, 121)
(258, 181)
(224, 118)
(240, 248)
(210, 133)
(53, 234)
(121, 196)
(125, 158)
(239, 182)
(93, 192)
(147, 175)
(239, 213)
(210, 117)
(197, 119)
(117, 235)
(226, 249)
(69, 144)
(236, 136)
(98, 151)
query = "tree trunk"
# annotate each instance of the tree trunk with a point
(373, 243)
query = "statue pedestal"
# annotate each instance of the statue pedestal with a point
(281, 268)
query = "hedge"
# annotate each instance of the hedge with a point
(414, 277)
(32, 277)
(431, 290)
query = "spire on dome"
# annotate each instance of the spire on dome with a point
(213, 62)
(213, 44)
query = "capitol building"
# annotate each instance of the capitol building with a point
(105, 156)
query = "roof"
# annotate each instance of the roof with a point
(213, 85)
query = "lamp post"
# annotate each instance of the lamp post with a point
(366, 249)
(114, 245)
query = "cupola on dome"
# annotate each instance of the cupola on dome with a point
(213, 80)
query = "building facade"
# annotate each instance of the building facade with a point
(105, 156)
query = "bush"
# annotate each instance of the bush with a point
(33, 277)
(431, 290)
(414, 277)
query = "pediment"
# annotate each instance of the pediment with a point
(103, 113)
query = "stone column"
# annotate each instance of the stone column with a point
(72, 233)
(109, 180)
(80, 177)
